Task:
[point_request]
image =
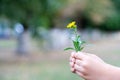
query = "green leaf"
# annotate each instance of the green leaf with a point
(69, 48)
(76, 45)
(78, 37)
(81, 48)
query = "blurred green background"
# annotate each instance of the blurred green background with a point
(33, 35)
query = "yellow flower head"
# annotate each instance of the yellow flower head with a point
(72, 25)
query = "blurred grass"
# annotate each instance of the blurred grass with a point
(38, 71)
(7, 43)
(44, 69)
(55, 65)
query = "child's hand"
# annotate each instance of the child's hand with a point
(91, 67)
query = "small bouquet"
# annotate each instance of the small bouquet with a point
(78, 44)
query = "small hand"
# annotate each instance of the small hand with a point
(91, 67)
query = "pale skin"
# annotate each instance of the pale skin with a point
(91, 67)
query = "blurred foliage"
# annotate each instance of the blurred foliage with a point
(112, 21)
(102, 14)
(31, 13)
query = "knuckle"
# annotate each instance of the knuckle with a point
(76, 66)
(73, 59)
(85, 64)
(77, 61)
(72, 69)
(83, 70)
(71, 64)
(72, 54)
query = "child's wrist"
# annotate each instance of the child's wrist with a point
(112, 72)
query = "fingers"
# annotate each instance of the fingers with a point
(80, 71)
(72, 67)
(73, 70)
(80, 74)
(78, 62)
(72, 59)
(73, 54)
(72, 64)
(76, 59)
(80, 55)
(79, 68)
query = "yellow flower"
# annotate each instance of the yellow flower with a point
(72, 25)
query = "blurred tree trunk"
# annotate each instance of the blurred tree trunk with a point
(21, 41)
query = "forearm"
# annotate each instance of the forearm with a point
(113, 72)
